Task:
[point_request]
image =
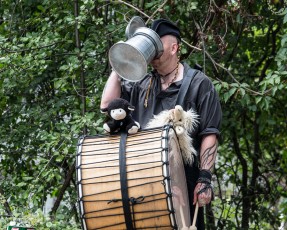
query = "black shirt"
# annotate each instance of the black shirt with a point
(201, 97)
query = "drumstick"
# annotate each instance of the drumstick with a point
(193, 227)
(184, 227)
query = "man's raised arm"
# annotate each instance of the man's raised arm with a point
(112, 89)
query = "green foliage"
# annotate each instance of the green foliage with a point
(47, 52)
(41, 98)
(38, 221)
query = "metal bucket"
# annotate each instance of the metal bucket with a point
(130, 59)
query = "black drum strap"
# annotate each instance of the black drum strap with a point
(185, 85)
(124, 182)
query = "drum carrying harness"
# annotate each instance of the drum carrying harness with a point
(186, 83)
(124, 185)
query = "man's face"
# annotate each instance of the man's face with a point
(169, 49)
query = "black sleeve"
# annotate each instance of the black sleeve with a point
(126, 89)
(210, 112)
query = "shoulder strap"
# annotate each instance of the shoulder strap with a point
(185, 85)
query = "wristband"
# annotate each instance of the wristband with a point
(204, 176)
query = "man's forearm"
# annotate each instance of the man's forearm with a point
(208, 152)
(112, 90)
(203, 190)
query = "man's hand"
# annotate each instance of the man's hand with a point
(202, 194)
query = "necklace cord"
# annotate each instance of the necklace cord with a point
(147, 93)
(150, 83)
(175, 75)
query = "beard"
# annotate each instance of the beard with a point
(156, 63)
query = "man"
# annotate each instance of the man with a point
(159, 90)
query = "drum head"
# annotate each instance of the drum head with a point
(179, 190)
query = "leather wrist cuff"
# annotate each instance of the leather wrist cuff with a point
(204, 176)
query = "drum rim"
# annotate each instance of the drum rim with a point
(79, 185)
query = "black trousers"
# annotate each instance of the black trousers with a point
(192, 173)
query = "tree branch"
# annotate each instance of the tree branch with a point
(157, 10)
(272, 53)
(150, 18)
(6, 204)
(82, 75)
(245, 198)
(63, 189)
(31, 49)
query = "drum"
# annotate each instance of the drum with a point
(132, 181)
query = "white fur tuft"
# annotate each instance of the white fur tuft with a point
(183, 123)
(160, 120)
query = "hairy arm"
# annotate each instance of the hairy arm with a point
(208, 154)
(112, 90)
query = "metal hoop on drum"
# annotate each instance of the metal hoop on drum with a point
(156, 188)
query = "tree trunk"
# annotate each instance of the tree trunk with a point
(6, 204)
(245, 194)
(82, 75)
(210, 219)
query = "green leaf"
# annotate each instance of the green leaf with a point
(242, 91)
(21, 184)
(258, 99)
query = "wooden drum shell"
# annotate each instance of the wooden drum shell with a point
(149, 177)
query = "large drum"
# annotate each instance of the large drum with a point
(132, 182)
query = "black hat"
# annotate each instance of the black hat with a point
(164, 27)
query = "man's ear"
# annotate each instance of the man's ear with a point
(175, 48)
(131, 108)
